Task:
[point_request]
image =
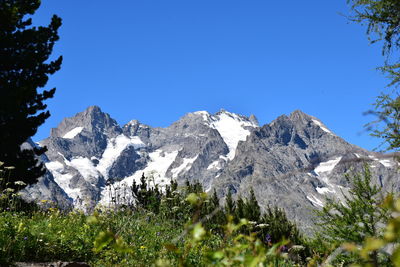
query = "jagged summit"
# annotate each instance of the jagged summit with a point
(293, 162)
(301, 122)
(93, 109)
(91, 119)
(299, 115)
(254, 119)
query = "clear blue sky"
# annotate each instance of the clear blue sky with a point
(157, 60)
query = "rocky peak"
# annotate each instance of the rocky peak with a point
(293, 161)
(135, 128)
(299, 116)
(254, 119)
(91, 120)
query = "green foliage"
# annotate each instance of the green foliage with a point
(382, 18)
(356, 220)
(189, 228)
(252, 210)
(24, 67)
(44, 236)
(239, 209)
(369, 242)
(10, 199)
(278, 227)
(229, 203)
(387, 125)
(359, 216)
(246, 250)
(147, 197)
(386, 244)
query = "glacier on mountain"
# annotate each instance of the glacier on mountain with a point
(293, 162)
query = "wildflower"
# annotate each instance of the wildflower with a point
(262, 225)
(142, 247)
(297, 248)
(9, 168)
(268, 238)
(158, 233)
(283, 248)
(175, 208)
(25, 238)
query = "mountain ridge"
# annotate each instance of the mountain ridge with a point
(293, 162)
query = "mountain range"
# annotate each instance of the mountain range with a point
(295, 162)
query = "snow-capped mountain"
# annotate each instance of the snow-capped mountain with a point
(293, 162)
(90, 151)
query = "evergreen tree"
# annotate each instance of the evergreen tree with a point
(24, 68)
(382, 18)
(239, 209)
(214, 202)
(229, 204)
(219, 217)
(252, 209)
(279, 227)
(359, 217)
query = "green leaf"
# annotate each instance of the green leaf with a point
(92, 220)
(218, 255)
(198, 232)
(396, 257)
(192, 198)
(102, 240)
(121, 246)
(171, 247)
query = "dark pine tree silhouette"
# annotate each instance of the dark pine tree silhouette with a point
(24, 68)
(252, 209)
(229, 204)
(239, 209)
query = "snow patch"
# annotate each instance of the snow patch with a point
(54, 166)
(373, 157)
(204, 114)
(324, 190)
(322, 171)
(185, 166)
(74, 132)
(386, 162)
(62, 179)
(322, 126)
(155, 171)
(84, 166)
(327, 167)
(114, 148)
(231, 128)
(213, 165)
(315, 201)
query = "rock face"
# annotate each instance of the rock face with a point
(294, 162)
(46, 188)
